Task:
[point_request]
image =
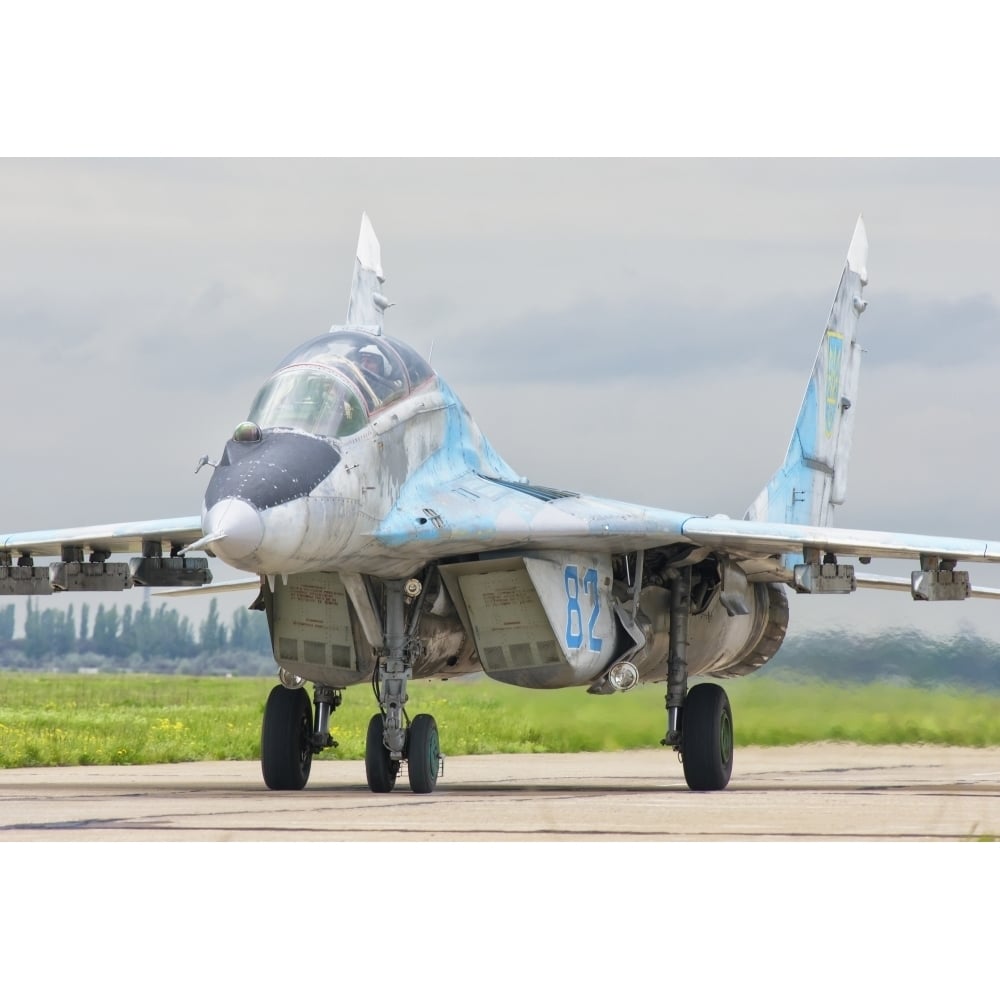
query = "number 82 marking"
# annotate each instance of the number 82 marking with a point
(574, 612)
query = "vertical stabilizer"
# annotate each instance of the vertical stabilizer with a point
(367, 301)
(813, 479)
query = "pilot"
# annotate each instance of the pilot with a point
(378, 371)
(374, 361)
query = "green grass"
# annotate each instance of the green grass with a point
(50, 719)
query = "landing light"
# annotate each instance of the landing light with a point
(623, 676)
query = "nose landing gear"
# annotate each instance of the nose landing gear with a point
(391, 737)
(422, 753)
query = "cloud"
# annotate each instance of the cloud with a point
(591, 341)
(937, 332)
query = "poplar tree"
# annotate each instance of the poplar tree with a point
(7, 623)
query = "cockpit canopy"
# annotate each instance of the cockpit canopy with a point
(330, 385)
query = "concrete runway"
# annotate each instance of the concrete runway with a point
(824, 792)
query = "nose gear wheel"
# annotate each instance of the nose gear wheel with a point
(380, 769)
(424, 754)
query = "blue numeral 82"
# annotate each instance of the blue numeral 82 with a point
(574, 613)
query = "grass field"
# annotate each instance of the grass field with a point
(50, 719)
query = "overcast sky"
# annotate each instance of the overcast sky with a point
(639, 329)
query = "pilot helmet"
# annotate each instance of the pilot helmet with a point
(372, 359)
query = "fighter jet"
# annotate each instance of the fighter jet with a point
(387, 541)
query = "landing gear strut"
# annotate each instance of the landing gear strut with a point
(391, 738)
(288, 739)
(699, 721)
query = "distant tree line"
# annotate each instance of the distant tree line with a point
(161, 641)
(150, 640)
(894, 656)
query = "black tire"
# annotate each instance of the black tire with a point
(380, 768)
(286, 751)
(707, 738)
(424, 760)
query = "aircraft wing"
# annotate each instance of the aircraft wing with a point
(806, 556)
(481, 514)
(477, 512)
(763, 538)
(126, 536)
(82, 557)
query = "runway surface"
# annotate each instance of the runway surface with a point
(818, 792)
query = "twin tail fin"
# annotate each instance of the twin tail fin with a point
(812, 481)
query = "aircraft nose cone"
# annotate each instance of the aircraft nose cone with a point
(240, 525)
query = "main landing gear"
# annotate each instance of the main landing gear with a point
(288, 737)
(699, 721)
